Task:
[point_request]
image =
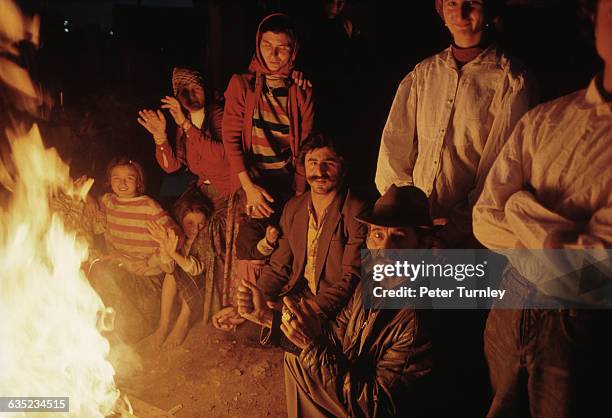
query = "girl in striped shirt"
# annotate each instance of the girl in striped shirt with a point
(123, 218)
(130, 277)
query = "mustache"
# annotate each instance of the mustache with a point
(313, 178)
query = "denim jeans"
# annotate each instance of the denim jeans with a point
(547, 363)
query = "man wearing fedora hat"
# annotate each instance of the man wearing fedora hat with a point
(368, 362)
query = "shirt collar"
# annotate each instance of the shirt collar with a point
(311, 210)
(487, 56)
(593, 98)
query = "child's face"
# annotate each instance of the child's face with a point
(193, 223)
(124, 181)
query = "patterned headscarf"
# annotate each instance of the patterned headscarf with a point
(257, 64)
(182, 77)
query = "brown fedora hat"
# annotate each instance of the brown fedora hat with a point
(399, 207)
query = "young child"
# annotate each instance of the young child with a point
(256, 241)
(193, 211)
(131, 251)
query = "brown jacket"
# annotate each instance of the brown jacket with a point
(337, 266)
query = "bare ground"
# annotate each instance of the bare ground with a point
(213, 374)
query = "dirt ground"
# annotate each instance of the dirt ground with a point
(213, 374)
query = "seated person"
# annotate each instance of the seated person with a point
(129, 277)
(368, 362)
(193, 211)
(319, 249)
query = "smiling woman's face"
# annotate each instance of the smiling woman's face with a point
(465, 20)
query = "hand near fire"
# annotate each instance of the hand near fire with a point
(252, 304)
(301, 323)
(227, 319)
(91, 209)
(154, 121)
(175, 109)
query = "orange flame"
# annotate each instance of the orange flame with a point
(51, 345)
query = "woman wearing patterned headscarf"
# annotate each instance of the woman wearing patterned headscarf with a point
(198, 114)
(267, 116)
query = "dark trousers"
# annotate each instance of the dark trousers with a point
(307, 397)
(547, 363)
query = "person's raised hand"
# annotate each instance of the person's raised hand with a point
(165, 237)
(154, 121)
(175, 109)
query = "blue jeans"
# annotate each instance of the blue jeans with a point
(547, 363)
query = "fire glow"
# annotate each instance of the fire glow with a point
(51, 345)
(49, 315)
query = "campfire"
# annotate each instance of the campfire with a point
(51, 318)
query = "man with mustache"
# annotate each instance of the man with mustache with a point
(318, 254)
(370, 361)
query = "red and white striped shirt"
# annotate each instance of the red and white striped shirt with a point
(126, 229)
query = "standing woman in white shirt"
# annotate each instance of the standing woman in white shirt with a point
(450, 117)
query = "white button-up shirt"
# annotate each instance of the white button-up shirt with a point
(551, 182)
(447, 125)
(554, 175)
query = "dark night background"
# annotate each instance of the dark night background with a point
(108, 59)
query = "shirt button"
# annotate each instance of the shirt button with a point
(450, 101)
(442, 130)
(435, 162)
